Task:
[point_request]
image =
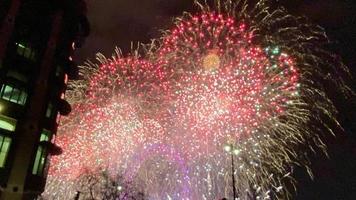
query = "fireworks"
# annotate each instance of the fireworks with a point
(232, 74)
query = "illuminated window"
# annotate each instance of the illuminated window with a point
(5, 143)
(7, 123)
(40, 160)
(13, 94)
(25, 51)
(45, 135)
(41, 154)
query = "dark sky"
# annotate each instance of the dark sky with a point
(118, 22)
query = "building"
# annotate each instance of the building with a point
(37, 40)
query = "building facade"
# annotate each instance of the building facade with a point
(37, 41)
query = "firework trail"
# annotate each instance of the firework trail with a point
(233, 74)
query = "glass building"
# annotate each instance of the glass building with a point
(37, 41)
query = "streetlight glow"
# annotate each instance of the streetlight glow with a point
(236, 152)
(227, 148)
(233, 151)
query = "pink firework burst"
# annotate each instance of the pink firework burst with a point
(224, 86)
(241, 76)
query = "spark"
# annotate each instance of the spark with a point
(224, 75)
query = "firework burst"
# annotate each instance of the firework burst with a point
(232, 74)
(111, 119)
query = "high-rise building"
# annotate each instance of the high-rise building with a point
(37, 40)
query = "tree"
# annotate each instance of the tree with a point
(102, 186)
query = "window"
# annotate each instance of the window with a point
(7, 123)
(17, 76)
(59, 71)
(49, 110)
(45, 135)
(41, 154)
(25, 51)
(40, 160)
(5, 143)
(13, 94)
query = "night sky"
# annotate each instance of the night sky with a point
(118, 22)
